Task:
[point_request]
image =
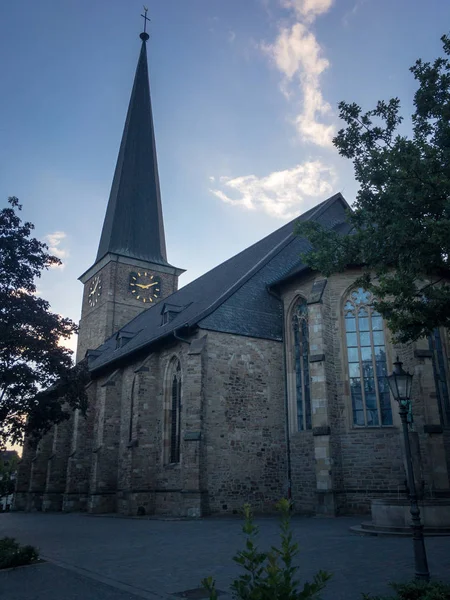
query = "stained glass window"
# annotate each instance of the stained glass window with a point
(440, 376)
(366, 354)
(301, 364)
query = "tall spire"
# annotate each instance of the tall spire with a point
(133, 225)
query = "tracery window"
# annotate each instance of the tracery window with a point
(301, 364)
(366, 354)
(440, 376)
(173, 414)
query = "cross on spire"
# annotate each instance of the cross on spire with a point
(145, 18)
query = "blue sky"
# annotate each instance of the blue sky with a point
(244, 96)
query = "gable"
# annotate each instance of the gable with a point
(253, 310)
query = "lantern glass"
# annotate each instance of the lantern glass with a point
(400, 382)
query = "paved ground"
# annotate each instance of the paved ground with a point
(100, 558)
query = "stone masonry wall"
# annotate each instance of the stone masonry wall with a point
(303, 472)
(244, 423)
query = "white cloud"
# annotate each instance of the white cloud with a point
(282, 194)
(296, 52)
(308, 10)
(53, 241)
(299, 58)
(231, 36)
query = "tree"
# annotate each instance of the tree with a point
(8, 467)
(38, 384)
(401, 218)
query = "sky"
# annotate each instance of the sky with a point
(244, 96)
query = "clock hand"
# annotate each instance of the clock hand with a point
(146, 286)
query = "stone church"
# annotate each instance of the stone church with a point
(258, 380)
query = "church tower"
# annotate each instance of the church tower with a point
(131, 271)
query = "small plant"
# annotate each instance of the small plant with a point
(12, 554)
(416, 590)
(270, 575)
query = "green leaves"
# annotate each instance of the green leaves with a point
(12, 554)
(31, 357)
(400, 222)
(270, 575)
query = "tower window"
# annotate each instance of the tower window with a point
(366, 354)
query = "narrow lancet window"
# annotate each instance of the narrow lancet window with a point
(172, 413)
(175, 416)
(301, 364)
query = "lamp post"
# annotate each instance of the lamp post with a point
(400, 383)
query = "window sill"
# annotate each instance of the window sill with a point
(172, 466)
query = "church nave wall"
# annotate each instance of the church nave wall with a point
(244, 423)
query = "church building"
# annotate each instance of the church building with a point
(259, 380)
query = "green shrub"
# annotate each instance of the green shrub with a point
(416, 590)
(270, 575)
(12, 554)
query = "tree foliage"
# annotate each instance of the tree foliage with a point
(35, 370)
(401, 218)
(8, 467)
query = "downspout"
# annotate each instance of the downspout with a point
(286, 402)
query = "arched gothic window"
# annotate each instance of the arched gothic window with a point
(132, 426)
(440, 376)
(173, 414)
(301, 364)
(366, 353)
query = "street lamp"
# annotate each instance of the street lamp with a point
(400, 383)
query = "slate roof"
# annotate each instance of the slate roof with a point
(233, 297)
(133, 225)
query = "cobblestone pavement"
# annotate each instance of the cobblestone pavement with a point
(153, 559)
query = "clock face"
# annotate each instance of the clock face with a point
(95, 289)
(144, 286)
